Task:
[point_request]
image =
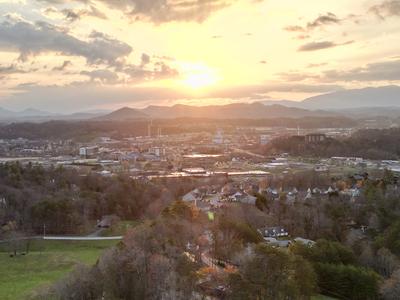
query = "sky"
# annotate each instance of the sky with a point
(65, 56)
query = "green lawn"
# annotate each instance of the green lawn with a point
(47, 262)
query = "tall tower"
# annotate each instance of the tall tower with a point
(149, 127)
(159, 132)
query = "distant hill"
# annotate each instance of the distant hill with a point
(31, 112)
(231, 111)
(368, 112)
(356, 103)
(387, 96)
(4, 113)
(123, 114)
(367, 97)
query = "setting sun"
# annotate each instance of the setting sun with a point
(200, 80)
(197, 76)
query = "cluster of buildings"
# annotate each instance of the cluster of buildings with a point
(208, 198)
(222, 153)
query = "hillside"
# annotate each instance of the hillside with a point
(231, 111)
(371, 97)
(367, 97)
(123, 114)
(375, 144)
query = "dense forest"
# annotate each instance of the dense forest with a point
(68, 203)
(367, 143)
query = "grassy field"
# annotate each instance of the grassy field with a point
(47, 262)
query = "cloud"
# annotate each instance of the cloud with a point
(65, 64)
(297, 76)
(255, 91)
(162, 11)
(379, 71)
(40, 37)
(321, 21)
(386, 9)
(294, 28)
(327, 19)
(303, 36)
(138, 73)
(102, 75)
(11, 69)
(145, 59)
(316, 65)
(73, 15)
(373, 72)
(314, 46)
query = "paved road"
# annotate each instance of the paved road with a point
(82, 238)
(97, 232)
(248, 152)
(65, 238)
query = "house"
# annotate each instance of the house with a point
(315, 138)
(316, 191)
(321, 168)
(194, 195)
(229, 189)
(88, 151)
(273, 193)
(211, 201)
(3, 202)
(243, 197)
(248, 199)
(275, 232)
(309, 194)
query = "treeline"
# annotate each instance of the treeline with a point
(80, 130)
(368, 143)
(65, 202)
(87, 130)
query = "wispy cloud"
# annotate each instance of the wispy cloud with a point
(314, 46)
(321, 21)
(378, 71)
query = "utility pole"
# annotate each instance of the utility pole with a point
(149, 128)
(44, 230)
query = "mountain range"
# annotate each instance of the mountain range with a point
(358, 103)
(229, 111)
(371, 97)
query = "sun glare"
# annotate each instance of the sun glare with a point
(198, 80)
(198, 76)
